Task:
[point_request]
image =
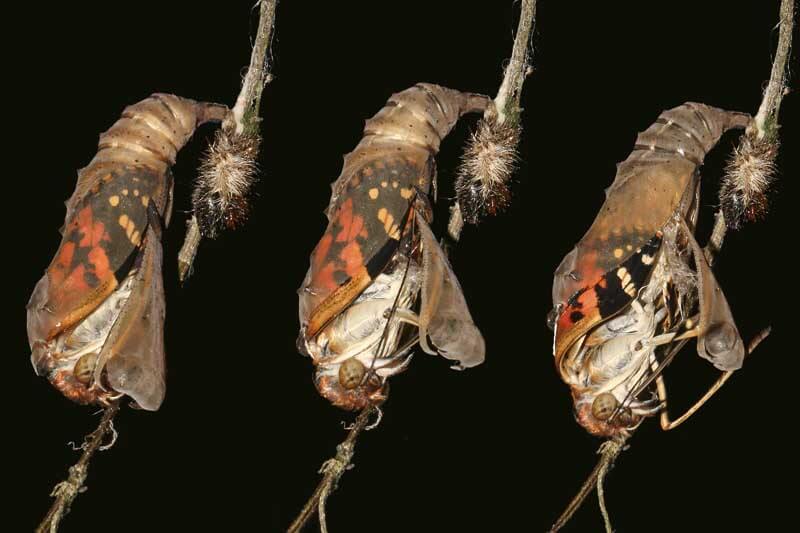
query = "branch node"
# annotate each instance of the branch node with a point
(66, 491)
(229, 170)
(491, 155)
(332, 471)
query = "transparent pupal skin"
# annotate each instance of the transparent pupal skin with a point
(379, 204)
(69, 360)
(648, 189)
(444, 315)
(116, 350)
(95, 319)
(638, 276)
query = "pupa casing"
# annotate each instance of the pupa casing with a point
(95, 319)
(655, 188)
(376, 216)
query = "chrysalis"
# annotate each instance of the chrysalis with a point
(358, 302)
(637, 285)
(96, 318)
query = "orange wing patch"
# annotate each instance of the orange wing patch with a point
(80, 275)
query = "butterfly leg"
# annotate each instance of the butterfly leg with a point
(396, 367)
(666, 423)
(408, 316)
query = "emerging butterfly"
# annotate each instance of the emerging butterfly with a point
(638, 286)
(96, 318)
(359, 317)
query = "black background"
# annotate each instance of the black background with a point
(237, 443)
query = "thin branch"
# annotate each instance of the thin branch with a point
(608, 451)
(714, 244)
(765, 129)
(188, 250)
(332, 471)
(66, 491)
(508, 97)
(503, 127)
(248, 104)
(244, 119)
(751, 172)
(601, 498)
(766, 120)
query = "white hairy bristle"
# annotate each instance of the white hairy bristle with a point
(748, 177)
(490, 159)
(225, 178)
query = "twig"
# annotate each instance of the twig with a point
(188, 250)
(332, 471)
(714, 244)
(764, 128)
(244, 119)
(506, 109)
(766, 120)
(508, 96)
(761, 137)
(601, 499)
(608, 451)
(66, 491)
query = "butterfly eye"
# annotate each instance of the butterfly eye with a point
(84, 368)
(351, 373)
(604, 406)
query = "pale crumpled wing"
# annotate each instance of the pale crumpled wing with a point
(133, 355)
(444, 315)
(719, 340)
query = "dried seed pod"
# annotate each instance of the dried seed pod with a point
(625, 295)
(95, 319)
(378, 254)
